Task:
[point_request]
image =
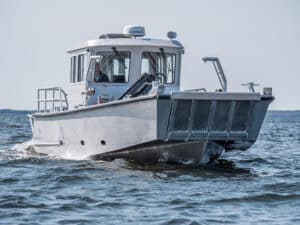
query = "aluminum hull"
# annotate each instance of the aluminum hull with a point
(232, 121)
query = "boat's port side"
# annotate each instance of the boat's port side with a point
(96, 129)
(230, 119)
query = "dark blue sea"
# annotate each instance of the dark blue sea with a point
(258, 186)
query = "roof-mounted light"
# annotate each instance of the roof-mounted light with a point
(134, 31)
(172, 35)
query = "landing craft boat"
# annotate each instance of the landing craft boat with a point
(124, 101)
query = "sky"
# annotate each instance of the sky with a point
(255, 40)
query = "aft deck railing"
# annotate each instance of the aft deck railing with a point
(52, 100)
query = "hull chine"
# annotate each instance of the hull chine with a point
(191, 153)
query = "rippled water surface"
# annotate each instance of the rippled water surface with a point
(261, 185)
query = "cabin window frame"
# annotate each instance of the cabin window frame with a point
(73, 69)
(78, 68)
(167, 53)
(98, 53)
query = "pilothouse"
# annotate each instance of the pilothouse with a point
(102, 70)
(124, 101)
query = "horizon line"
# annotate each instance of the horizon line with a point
(11, 109)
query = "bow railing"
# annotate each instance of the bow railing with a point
(51, 100)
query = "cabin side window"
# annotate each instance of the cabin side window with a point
(81, 62)
(170, 67)
(112, 67)
(157, 62)
(73, 70)
(77, 68)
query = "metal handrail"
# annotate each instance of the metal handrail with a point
(61, 99)
(250, 86)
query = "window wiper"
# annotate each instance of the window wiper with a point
(117, 53)
(162, 51)
(153, 61)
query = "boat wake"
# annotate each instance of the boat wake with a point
(27, 150)
(19, 151)
(16, 152)
(218, 167)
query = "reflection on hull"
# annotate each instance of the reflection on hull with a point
(191, 153)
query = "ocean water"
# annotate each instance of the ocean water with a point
(258, 186)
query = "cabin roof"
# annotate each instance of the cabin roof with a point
(147, 42)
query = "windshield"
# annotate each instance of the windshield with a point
(111, 67)
(160, 62)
